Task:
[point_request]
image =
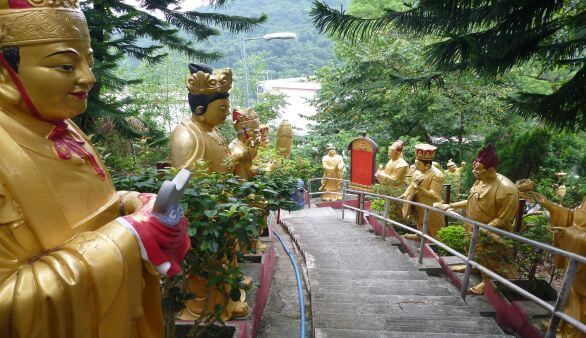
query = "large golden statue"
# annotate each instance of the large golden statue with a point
(244, 148)
(394, 172)
(493, 200)
(199, 138)
(69, 265)
(570, 235)
(284, 139)
(333, 165)
(426, 188)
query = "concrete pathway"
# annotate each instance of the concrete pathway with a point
(361, 286)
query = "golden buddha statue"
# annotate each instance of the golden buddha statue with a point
(244, 148)
(493, 200)
(426, 188)
(70, 266)
(199, 138)
(569, 228)
(264, 135)
(333, 165)
(284, 139)
(393, 175)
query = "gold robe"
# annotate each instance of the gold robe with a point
(191, 143)
(394, 173)
(333, 167)
(431, 182)
(572, 237)
(494, 203)
(67, 268)
(242, 158)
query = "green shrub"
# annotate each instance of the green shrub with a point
(453, 236)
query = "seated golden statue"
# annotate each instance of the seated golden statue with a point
(570, 235)
(394, 172)
(199, 138)
(493, 200)
(284, 139)
(426, 188)
(69, 265)
(333, 165)
(243, 150)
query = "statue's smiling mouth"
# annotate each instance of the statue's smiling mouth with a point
(79, 95)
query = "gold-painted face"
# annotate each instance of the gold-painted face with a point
(57, 77)
(419, 165)
(479, 171)
(393, 153)
(332, 152)
(217, 111)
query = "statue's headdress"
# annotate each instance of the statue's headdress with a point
(425, 152)
(330, 147)
(245, 121)
(451, 163)
(488, 157)
(204, 81)
(25, 22)
(397, 145)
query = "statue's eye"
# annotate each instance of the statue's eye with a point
(65, 68)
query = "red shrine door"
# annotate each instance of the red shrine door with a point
(362, 163)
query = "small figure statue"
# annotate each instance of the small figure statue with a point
(284, 139)
(333, 165)
(560, 188)
(453, 177)
(264, 135)
(394, 172)
(570, 235)
(426, 187)
(77, 258)
(493, 200)
(199, 138)
(244, 149)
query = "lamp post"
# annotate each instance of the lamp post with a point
(266, 37)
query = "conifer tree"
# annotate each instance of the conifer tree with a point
(143, 31)
(490, 37)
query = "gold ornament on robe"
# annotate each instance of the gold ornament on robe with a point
(284, 139)
(243, 150)
(198, 138)
(68, 268)
(426, 188)
(333, 165)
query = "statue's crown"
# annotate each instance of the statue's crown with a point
(424, 151)
(243, 118)
(203, 83)
(25, 22)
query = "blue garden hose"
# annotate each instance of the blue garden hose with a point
(299, 287)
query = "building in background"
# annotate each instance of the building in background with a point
(298, 92)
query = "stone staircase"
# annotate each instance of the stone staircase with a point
(361, 286)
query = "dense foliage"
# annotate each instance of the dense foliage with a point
(490, 38)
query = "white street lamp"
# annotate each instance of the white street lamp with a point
(266, 37)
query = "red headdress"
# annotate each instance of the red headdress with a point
(488, 157)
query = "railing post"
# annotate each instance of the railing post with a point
(447, 198)
(343, 198)
(471, 253)
(360, 220)
(424, 232)
(386, 215)
(562, 298)
(309, 193)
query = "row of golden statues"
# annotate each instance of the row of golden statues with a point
(493, 200)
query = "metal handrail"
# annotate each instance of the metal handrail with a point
(310, 193)
(556, 310)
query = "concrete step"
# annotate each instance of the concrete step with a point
(365, 298)
(326, 274)
(407, 325)
(388, 288)
(394, 310)
(338, 333)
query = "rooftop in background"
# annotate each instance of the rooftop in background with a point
(298, 91)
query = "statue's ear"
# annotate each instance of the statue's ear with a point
(8, 91)
(199, 110)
